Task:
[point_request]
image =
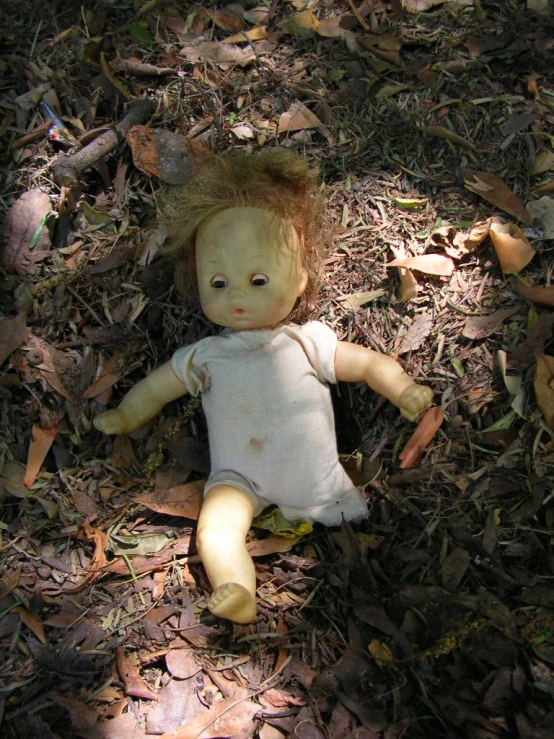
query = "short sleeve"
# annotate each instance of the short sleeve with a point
(189, 365)
(320, 344)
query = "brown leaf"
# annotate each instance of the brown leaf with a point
(13, 333)
(23, 221)
(512, 247)
(41, 441)
(162, 153)
(417, 333)
(9, 581)
(297, 118)
(49, 373)
(417, 6)
(544, 387)
(110, 374)
(31, 622)
(182, 500)
(117, 257)
(227, 718)
(381, 653)
(271, 545)
(543, 161)
(479, 327)
(453, 569)
(98, 560)
(181, 663)
(299, 24)
(492, 188)
(336, 26)
(429, 264)
(253, 34)
(446, 133)
(544, 295)
(226, 19)
(224, 55)
(135, 685)
(422, 437)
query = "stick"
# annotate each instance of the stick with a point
(67, 169)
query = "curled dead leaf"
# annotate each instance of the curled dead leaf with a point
(429, 264)
(479, 327)
(492, 188)
(544, 387)
(41, 441)
(422, 437)
(446, 133)
(543, 295)
(512, 247)
(182, 500)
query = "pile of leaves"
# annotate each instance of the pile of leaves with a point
(430, 122)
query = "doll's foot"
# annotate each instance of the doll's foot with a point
(234, 602)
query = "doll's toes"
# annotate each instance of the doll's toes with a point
(233, 601)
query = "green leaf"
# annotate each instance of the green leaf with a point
(141, 32)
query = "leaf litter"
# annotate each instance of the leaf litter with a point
(428, 121)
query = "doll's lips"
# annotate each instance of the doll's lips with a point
(238, 311)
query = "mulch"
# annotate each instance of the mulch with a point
(435, 618)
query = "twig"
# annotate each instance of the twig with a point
(67, 169)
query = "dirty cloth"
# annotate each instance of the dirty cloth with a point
(265, 393)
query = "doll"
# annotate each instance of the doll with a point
(248, 228)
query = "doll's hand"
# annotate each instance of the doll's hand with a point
(111, 422)
(413, 400)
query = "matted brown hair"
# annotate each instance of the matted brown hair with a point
(277, 180)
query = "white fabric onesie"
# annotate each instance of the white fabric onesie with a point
(270, 418)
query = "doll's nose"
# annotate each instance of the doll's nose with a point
(236, 293)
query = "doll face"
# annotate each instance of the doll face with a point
(248, 267)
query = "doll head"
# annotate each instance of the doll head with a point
(277, 194)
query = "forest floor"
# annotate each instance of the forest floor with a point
(435, 617)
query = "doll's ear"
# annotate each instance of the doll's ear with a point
(302, 281)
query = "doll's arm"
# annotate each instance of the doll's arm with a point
(354, 363)
(142, 402)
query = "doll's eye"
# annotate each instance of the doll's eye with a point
(259, 279)
(218, 281)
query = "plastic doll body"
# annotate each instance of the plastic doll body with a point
(250, 276)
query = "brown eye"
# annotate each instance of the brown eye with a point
(259, 279)
(218, 281)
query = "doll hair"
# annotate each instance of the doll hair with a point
(277, 180)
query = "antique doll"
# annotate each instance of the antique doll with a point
(247, 226)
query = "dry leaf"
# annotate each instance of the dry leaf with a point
(41, 441)
(182, 500)
(230, 717)
(336, 26)
(544, 387)
(299, 24)
(13, 332)
(543, 161)
(446, 133)
(135, 685)
(9, 581)
(224, 55)
(512, 248)
(429, 264)
(31, 622)
(271, 545)
(162, 153)
(417, 333)
(25, 224)
(110, 374)
(181, 663)
(120, 86)
(497, 192)
(479, 327)
(226, 19)
(408, 283)
(381, 653)
(356, 300)
(98, 560)
(297, 118)
(254, 34)
(542, 212)
(422, 437)
(543, 295)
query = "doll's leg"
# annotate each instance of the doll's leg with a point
(224, 521)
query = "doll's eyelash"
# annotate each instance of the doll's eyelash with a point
(218, 281)
(258, 279)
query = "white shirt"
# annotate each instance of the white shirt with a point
(270, 418)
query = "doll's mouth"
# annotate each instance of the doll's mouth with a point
(239, 312)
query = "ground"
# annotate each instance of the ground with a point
(434, 618)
